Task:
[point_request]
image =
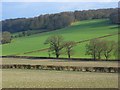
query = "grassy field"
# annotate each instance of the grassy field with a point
(16, 78)
(60, 62)
(78, 31)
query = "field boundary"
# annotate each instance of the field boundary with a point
(53, 58)
(63, 68)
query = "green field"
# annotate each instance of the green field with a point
(16, 78)
(77, 31)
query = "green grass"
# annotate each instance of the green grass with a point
(77, 31)
(16, 78)
(58, 62)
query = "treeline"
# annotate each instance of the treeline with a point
(56, 21)
(6, 37)
(115, 18)
(96, 48)
(99, 48)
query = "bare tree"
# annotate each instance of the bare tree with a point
(69, 47)
(108, 48)
(116, 52)
(56, 43)
(99, 48)
(91, 48)
(49, 53)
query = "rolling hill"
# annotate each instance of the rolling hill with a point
(79, 31)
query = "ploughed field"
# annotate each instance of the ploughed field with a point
(36, 78)
(23, 78)
(78, 31)
(58, 62)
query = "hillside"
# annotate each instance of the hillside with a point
(77, 31)
(57, 20)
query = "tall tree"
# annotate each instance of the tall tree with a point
(99, 48)
(6, 37)
(56, 43)
(116, 52)
(69, 45)
(108, 48)
(91, 48)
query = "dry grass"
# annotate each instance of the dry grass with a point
(60, 62)
(16, 78)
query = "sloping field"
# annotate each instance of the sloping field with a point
(78, 31)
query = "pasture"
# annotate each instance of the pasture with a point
(77, 31)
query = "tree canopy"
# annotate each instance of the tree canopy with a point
(56, 21)
(6, 37)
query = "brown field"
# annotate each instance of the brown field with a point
(21, 78)
(60, 62)
(24, 78)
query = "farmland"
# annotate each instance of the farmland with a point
(77, 31)
(13, 78)
(55, 46)
(58, 62)
(27, 78)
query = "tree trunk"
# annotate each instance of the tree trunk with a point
(68, 55)
(68, 52)
(94, 56)
(106, 56)
(99, 56)
(57, 55)
(49, 55)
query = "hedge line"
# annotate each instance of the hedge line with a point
(65, 68)
(75, 59)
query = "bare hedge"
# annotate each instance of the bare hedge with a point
(63, 68)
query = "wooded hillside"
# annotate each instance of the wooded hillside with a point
(56, 21)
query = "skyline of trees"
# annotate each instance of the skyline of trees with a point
(56, 21)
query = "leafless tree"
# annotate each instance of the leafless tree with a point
(116, 52)
(99, 48)
(56, 43)
(69, 45)
(108, 48)
(91, 48)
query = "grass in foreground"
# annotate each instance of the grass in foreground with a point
(16, 78)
